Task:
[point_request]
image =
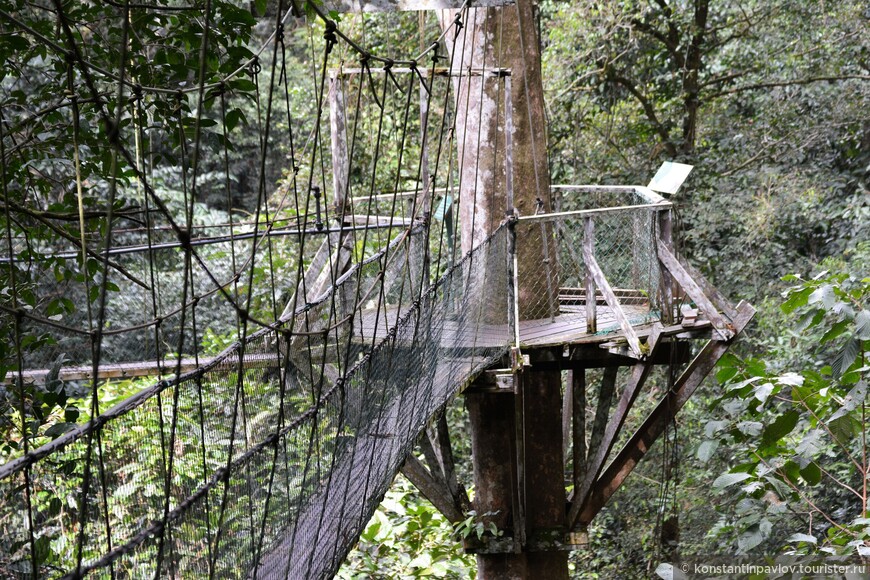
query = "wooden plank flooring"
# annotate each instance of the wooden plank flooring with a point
(567, 328)
(455, 333)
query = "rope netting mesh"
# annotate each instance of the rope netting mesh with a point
(302, 335)
(284, 472)
(618, 228)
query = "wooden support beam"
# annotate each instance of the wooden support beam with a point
(509, 145)
(518, 483)
(578, 402)
(432, 488)
(439, 438)
(639, 374)
(667, 288)
(602, 412)
(694, 291)
(716, 297)
(424, 194)
(601, 282)
(655, 423)
(589, 248)
(338, 146)
(318, 263)
(165, 367)
(567, 407)
(431, 456)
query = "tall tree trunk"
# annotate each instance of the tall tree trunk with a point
(691, 81)
(502, 38)
(508, 38)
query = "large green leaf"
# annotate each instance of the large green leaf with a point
(812, 474)
(782, 426)
(727, 479)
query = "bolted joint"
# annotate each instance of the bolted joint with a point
(184, 239)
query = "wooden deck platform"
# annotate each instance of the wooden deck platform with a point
(569, 327)
(456, 334)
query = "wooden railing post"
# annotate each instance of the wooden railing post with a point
(338, 145)
(667, 281)
(589, 249)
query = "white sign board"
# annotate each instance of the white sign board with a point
(670, 177)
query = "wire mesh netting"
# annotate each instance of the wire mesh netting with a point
(252, 457)
(280, 320)
(617, 229)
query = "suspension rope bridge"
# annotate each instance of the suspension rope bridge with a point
(298, 353)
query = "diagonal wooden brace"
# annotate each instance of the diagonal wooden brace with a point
(613, 302)
(438, 437)
(640, 372)
(432, 487)
(660, 417)
(689, 284)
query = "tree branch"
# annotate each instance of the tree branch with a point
(788, 83)
(649, 29)
(648, 109)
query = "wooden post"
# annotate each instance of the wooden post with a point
(338, 145)
(508, 144)
(666, 238)
(425, 196)
(544, 489)
(578, 402)
(589, 249)
(495, 464)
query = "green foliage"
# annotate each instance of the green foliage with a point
(477, 526)
(795, 429)
(408, 538)
(31, 414)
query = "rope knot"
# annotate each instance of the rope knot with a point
(254, 68)
(184, 239)
(388, 64)
(112, 133)
(329, 35)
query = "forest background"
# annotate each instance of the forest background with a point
(769, 101)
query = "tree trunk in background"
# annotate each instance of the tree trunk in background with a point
(497, 38)
(507, 38)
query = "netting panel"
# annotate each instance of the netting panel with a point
(623, 244)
